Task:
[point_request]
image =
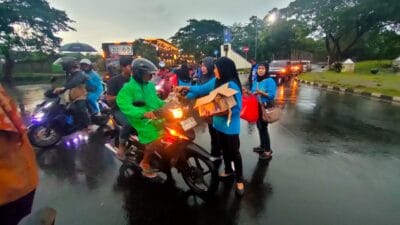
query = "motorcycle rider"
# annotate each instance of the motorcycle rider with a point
(94, 86)
(76, 84)
(137, 100)
(162, 80)
(114, 85)
(163, 71)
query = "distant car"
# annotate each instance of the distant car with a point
(306, 65)
(296, 67)
(280, 70)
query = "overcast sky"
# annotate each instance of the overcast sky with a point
(99, 21)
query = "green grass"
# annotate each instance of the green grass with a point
(366, 66)
(385, 82)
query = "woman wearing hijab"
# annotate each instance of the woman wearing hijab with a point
(264, 87)
(183, 75)
(207, 75)
(226, 124)
(18, 170)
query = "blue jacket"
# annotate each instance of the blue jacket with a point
(267, 85)
(93, 84)
(183, 83)
(220, 122)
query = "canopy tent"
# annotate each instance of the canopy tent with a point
(348, 66)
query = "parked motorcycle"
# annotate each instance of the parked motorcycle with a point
(178, 150)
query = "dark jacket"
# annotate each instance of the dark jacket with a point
(183, 74)
(77, 86)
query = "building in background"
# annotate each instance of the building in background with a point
(166, 52)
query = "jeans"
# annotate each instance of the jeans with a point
(79, 111)
(231, 153)
(11, 213)
(126, 130)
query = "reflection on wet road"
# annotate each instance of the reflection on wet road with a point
(336, 161)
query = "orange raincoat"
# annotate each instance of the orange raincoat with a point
(18, 169)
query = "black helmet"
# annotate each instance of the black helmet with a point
(142, 66)
(69, 64)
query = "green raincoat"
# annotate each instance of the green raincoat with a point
(133, 91)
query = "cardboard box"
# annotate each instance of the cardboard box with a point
(219, 100)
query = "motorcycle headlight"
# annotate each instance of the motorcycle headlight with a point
(177, 113)
(38, 116)
(48, 105)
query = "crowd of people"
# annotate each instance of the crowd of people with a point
(127, 93)
(222, 128)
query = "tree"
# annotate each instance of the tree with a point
(199, 37)
(29, 25)
(377, 45)
(246, 35)
(288, 39)
(145, 50)
(342, 23)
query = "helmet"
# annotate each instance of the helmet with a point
(69, 64)
(161, 64)
(142, 66)
(85, 61)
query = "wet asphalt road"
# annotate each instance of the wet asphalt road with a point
(336, 161)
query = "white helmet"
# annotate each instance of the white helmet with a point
(85, 61)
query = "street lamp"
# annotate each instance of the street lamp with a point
(269, 19)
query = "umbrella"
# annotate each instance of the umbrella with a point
(57, 67)
(63, 59)
(77, 47)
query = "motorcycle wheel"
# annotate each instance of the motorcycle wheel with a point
(200, 174)
(43, 137)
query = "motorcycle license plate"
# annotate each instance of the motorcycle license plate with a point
(188, 123)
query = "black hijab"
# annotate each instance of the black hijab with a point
(209, 64)
(266, 75)
(227, 71)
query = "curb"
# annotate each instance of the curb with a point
(353, 91)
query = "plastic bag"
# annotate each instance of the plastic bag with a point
(249, 108)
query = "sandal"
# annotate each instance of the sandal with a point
(240, 188)
(225, 175)
(265, 155)
(149, 173)
(258, 149)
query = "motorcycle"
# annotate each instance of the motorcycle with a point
(196, 166)
(51, 121)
